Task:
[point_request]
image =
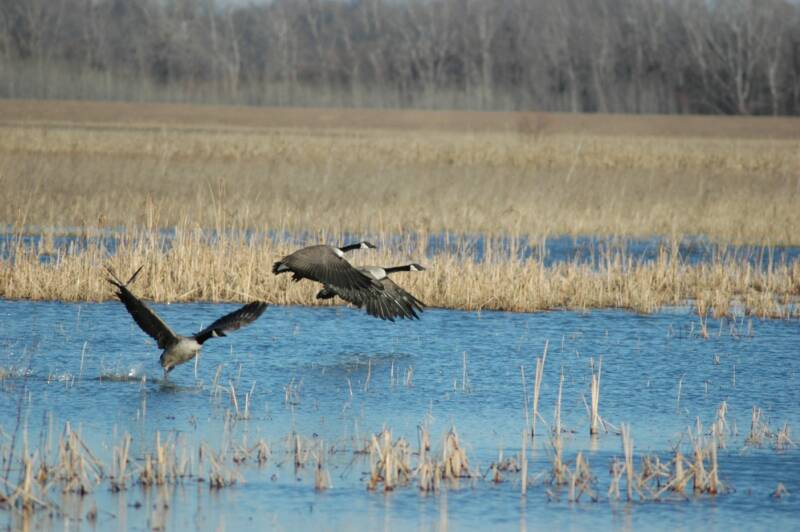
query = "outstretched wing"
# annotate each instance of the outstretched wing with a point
(392, 302)
(356, 297)
(143, 315)
(321, 264)
(230, 322)
(327, 292)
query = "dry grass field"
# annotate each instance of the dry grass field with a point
(81, 167)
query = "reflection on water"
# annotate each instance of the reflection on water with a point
(334, 375)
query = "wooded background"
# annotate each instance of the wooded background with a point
(632, 56)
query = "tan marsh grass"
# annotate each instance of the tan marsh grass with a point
(590, 175)
(135, 170)
(236, 268)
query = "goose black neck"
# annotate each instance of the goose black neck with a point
(201, 338)
(351, 247)
(406, 268)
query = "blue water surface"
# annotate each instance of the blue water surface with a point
(337, 375)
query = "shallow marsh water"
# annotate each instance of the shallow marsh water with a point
(549, 251)
(337, 375)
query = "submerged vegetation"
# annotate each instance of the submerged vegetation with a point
(36, 469)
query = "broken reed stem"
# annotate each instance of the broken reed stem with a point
(119, 464)
(594, 427)
(719, 428)
(322, 479)
(464, 374)
(783, 440)
(627, 448)
(559, 468)
(680, 478)
(525, 397)
(713, 474)
(524, 462)
(234, 401)
(537, 384)
(369, 375)
(699, 470)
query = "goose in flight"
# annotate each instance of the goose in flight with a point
(390, 303)
(326, 264)
(178, 349)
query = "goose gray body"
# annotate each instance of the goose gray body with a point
(326, 264)
(177, 348)
(389, 303)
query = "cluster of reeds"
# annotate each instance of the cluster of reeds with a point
(389, 461)
(74, 468)
(655, 479)
(760, 433)
(453, 465)
(193, 265)
(77, 469)
(300, 450)
(510, 464)
(163, 466)
(581, 480)
(759, 429)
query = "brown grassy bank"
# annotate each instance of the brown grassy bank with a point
(127, 114)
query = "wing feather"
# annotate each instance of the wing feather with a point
(393, 302)
(144, 316)
(387, 303)
(235, 320)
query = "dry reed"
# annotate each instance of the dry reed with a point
(137, 180)
(780, 491)
(759, 429)
(627, 449)
(537, 384)
(559, 474)
(783, 438)
(192, 265)
(595, 414)
(389, 461)
(299, 179)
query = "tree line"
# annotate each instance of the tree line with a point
(633, 56)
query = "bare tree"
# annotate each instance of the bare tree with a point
(732, 56)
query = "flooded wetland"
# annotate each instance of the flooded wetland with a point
(290, 409)
(609, 338)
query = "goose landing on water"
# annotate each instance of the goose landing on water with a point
(390, 303)
(179, 349)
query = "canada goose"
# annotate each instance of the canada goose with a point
(179, 349)
(392, 302)
(326, 264)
